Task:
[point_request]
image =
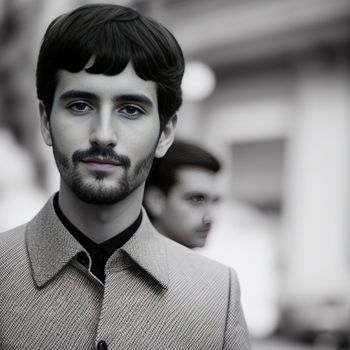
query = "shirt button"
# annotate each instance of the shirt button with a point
(102, 345)
(83, 259)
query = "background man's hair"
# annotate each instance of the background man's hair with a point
(180, 155)
(112, 36)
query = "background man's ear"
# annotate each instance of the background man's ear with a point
(167, 137)
(45, 124)
(154, 200)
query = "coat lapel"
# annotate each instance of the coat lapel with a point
(50, 246)
(148, 250)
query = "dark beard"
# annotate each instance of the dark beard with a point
(97, 193)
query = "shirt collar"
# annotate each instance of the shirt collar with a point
(51, 247)
(107, 247)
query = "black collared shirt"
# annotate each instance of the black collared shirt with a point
(99, 253)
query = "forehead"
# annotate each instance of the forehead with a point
(196, 179)
(107, 86)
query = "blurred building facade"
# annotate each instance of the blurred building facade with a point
(278, 118)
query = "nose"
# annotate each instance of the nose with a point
(206, 218)
(102, 132)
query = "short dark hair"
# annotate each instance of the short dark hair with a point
(113, 36)
(180, 155)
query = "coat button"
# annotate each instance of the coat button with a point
(102, 345)
(83, 259)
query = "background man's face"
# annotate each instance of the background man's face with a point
(104, 132)
(187, 210)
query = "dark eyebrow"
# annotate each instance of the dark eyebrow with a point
(78, 94)
(91, 96)
(196, 193)
(134, 98)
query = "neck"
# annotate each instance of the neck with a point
(100, 222)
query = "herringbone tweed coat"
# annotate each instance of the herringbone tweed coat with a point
(158, 295)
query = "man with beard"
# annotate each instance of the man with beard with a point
(90, 271)
(181, 192)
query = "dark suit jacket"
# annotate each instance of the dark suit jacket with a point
(157, 295)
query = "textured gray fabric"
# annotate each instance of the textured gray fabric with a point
(157, 295)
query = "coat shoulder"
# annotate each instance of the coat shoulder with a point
(12, 237)
(177, 249)
(12, 243)
(189, 262)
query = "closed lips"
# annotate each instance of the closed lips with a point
(100, 161)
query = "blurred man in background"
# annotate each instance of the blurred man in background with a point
(181, 193)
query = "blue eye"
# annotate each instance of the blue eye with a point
(131, 112)
(197, 200)
(79, 108)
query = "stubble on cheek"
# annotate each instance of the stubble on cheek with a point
(61, 160)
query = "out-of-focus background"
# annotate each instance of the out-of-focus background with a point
(267, 90)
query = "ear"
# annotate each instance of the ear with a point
(167, 137)
(154, 200)
(45, 124)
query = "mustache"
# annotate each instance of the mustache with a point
(100, 152)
